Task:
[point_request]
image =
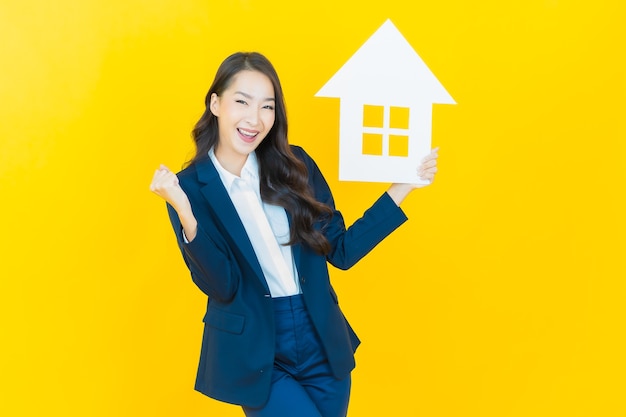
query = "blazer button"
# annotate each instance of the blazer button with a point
(303, 280)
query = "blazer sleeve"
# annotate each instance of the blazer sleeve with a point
(351, 244)
(209, 259)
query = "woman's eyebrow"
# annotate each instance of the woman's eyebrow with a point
(248, 96)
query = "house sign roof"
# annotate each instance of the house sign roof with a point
(386, 70)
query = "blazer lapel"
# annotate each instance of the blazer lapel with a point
(220, 203)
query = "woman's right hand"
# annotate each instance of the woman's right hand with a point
(165, 184)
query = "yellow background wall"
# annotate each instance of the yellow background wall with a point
(503, 295)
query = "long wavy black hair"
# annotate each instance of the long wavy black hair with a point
(283, 177)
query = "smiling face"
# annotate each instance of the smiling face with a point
(245, 115)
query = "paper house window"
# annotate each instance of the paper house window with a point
(385, 131)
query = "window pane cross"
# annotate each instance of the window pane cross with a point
(385, 131)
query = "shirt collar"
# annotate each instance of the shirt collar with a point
(249, 171)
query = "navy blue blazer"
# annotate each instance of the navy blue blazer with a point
(237, 353)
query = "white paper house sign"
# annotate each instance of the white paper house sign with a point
(386, 95)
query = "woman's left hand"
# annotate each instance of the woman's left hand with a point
(428, 168)
(426, 172)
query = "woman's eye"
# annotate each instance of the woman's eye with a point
(269, 107)
(241, 101)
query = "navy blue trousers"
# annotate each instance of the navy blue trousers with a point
(302, 382)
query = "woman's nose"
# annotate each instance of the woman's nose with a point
(252, 117)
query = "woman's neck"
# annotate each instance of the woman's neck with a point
(231, 163)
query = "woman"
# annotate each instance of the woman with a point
(256, 225)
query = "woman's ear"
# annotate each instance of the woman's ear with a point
(214, 105)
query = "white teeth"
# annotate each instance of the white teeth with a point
(248, 134)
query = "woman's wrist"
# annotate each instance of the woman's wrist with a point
(190, 225)
(187, 219)
(398, 192)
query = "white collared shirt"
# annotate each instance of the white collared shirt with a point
(275, 257)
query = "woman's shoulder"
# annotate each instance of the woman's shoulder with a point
(301, 154)
(297, 150)
(188, 171)
(195, 173)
